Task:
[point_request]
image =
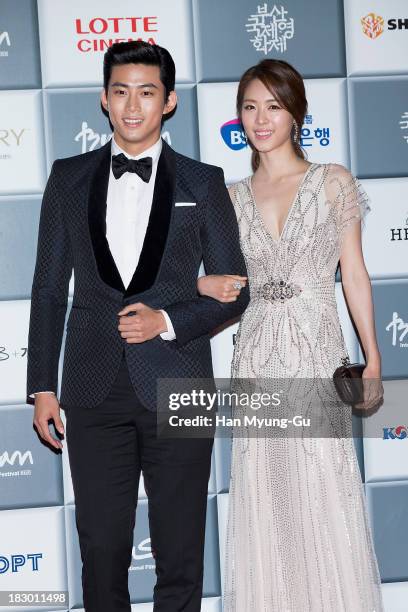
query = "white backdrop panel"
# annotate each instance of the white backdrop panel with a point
(388, 459)
(38, 532)
(73, 35)
(14, 319)
(385, 236)
(22, 160)
(375, 42)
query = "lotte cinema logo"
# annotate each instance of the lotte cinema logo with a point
(99, 33)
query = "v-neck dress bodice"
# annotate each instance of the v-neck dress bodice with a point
(289, 212)
(298, 335)
(298, 536)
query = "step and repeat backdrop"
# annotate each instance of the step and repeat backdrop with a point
(353, 56)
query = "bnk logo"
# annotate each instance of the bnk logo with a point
(395, 433)
(233, 135)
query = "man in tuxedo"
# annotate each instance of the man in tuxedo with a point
(134, 220)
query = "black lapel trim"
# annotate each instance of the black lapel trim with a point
(155, 240)
(97, 221)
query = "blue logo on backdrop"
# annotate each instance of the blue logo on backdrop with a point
(15, 562)
(233, 135)
(392, 433)
(313, 136)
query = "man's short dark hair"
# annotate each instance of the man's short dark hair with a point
(140, 52)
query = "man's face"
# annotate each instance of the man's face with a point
(136, 103)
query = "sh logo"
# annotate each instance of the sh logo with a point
(233, 135)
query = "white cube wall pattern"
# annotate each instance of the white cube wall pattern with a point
(22, 142)
(353, 58)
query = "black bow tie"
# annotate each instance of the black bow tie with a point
(122, 164)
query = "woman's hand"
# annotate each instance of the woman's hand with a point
(221, 287)
(372, 386)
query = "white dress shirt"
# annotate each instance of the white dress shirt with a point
(128, 206)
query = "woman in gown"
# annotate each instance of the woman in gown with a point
(298, 537)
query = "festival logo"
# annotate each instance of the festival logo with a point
(270, 29)
(399, 330)
(17, 457)
(89, 139)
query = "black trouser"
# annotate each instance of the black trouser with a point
(108, 446)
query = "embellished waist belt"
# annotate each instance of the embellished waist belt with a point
(278, 291)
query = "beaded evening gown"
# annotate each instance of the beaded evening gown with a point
(298, 537)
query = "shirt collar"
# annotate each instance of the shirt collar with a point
(153, 151)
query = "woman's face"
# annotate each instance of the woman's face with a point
(267, 125)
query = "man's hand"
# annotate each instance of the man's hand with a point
(46, 408)
(145, 324)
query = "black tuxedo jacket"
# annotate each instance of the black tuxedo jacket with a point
(72, 235)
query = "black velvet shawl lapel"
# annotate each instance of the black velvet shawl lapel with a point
(157, 230)
(97, 221)
(158, 227)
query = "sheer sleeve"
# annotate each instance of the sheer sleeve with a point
(347, 197)
(232, 190)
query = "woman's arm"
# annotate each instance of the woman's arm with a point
(221, 287)
(357, 289)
